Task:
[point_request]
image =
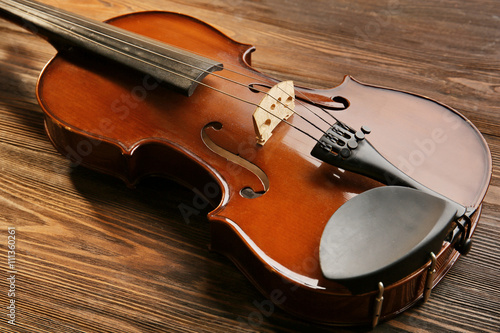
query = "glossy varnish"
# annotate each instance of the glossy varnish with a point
(115, 120)
(294, 199)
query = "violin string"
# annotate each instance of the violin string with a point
(300, 92)
(48, 11)
(195, 67)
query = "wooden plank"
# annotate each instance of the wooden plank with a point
(94, 256)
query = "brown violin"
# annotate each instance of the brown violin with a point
(343, 206)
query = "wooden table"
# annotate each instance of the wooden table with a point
(95, 256)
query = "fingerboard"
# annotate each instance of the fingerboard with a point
(179, 69)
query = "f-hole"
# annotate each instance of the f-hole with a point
(246, 192)
(334, 103)
(341, 100)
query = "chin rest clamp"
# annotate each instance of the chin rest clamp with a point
(431, 274)
(464, 244)
(377, 310)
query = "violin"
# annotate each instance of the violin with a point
(343, 206)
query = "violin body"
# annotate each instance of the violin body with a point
(127, 124)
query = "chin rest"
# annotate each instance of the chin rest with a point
(383, 235)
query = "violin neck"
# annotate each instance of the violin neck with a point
(179, 69)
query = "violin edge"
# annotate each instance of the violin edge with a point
(284, 291)
(136, 178)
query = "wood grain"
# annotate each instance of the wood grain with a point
(95, 256)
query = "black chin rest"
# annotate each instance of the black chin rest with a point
(383, 235)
